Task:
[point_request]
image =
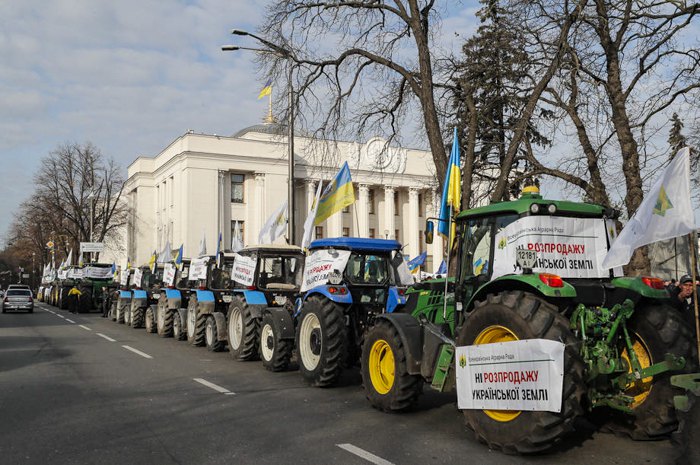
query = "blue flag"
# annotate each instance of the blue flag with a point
(415, 263)
(442, 269)
(178, 259)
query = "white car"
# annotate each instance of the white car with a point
(17, 299)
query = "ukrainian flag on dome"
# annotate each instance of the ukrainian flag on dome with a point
(267, 90)
(337, 195)
(452, 190)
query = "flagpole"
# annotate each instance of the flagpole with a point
(691, 238)
(447, 262)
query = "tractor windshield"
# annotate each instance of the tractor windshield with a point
(283, 272)
(367, 268)
(221, 277)
(477, 246)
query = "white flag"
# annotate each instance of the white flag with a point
(203, 245)
(275, 225)
(309, 223)
(236, 242)
(664, 213)
(69, 258)
(166, 255)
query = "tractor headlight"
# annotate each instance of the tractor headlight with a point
(552, 209)
(534, 208)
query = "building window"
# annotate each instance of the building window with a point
(240, 230)
(370, 198)
(396, 203)
(396, 235)
(371, 233)
(421, 207)
(346, 232)
(319, 232)
(172, 191)
(237, 187)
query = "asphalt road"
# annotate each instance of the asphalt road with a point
(80, 389)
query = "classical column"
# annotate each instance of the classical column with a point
(412, 236)
(311, 185)
(362, 206)
(389, 220)
(258, 209)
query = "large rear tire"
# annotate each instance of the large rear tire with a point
(122, 308)
(275, 352)
(137, 317)
(321, 341)
(655, 330)
(211, 336)
(513, 316)
(243, 331)
(385, 378)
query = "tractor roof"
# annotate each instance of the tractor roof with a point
(281, 248)
(522, 206)
(356, 243)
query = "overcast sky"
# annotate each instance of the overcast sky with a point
(129, 76)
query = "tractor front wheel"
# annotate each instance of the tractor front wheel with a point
(511, 316)
(150, 321)
(321, 341)
(385, 378)
(179, 327)
(211, 336)
(275, 352)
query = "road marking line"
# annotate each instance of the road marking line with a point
(136, 351)
(214, 386)
(70, 321)
(60, 316)
(364, 454)
(85, 327)
(106, 337)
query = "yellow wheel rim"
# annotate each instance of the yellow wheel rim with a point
(640, 389)
(381, 366)
(498, 333)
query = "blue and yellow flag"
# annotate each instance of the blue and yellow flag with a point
(414, 265)
(337, 195)
(267, 90)
(452, 190)
(178, 259)
(152, 262)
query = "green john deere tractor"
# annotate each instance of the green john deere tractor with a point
(530, 269)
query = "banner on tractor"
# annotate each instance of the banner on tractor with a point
(320, 264)
(244, 269)
(568, 247)
(198, 269)
(138, 276)
(75, 273)
(518, 375)
(98, 272)
(169, 274)
(124, 277)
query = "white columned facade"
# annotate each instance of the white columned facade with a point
(389, 221)
(413, 222)
(259, 202)
(362, 206)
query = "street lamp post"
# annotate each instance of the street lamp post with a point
(283, 53)
(92, 216)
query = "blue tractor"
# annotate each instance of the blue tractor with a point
(266, 281)
(347, 283)
(172, 301)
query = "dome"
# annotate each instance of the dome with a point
(276, 129)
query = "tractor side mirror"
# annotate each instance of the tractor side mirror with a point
(429, 231)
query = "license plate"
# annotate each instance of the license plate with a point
(156, 296)
(227, 299)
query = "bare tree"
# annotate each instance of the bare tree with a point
(75, 185)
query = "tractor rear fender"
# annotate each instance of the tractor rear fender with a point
(635, 284)
(282, 321)
(323, 290)
(205, 308)
(221, 326)
(409, 330)
(522, 282)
